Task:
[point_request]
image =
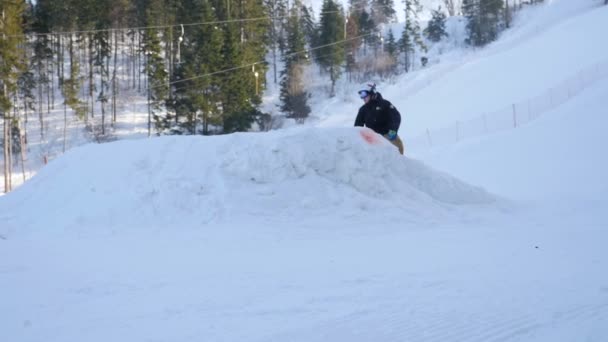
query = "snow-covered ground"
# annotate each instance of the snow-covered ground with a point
(324, 232)
(269, 237)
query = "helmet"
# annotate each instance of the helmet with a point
(366, 89)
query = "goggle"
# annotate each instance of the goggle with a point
(363, 94)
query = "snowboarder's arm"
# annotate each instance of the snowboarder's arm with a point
(394, 116)
(360, 120)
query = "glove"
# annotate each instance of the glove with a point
(391, 135)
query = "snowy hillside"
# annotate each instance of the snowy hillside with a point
(529, 59)
(559, 156)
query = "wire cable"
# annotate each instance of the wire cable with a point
(217, 22)
(261, 62)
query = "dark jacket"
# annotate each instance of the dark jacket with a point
(379, 115)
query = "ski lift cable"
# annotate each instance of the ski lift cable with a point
(251, 65)
(217, 22)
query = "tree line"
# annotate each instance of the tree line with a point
(201, 65)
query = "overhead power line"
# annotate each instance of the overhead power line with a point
(217, 22)
(249, 65)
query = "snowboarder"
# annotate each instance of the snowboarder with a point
(379, 115)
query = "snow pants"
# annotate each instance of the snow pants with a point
(397, 142)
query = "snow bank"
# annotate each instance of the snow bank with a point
(173, 181)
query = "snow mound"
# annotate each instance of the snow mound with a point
(354, 158)
(175, 181)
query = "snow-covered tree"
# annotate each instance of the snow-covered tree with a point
(293, 95)
(383, 11)
(411, 37)
(484, 20)
(435, 29)
(331, 33)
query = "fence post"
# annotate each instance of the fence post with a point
(428, 136)
(514, 117)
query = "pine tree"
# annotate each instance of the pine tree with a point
(281, 9)
(120, 14)
(71, 86)
(361, 24)
(352, 44)
(293, 96)
(484, 20)
(277, 11)
(309, 27)
(392, 49)
(26, 83)
(196, 95)
(331, 33)
(43, 54)
(101, 62)
(255, 43)
(236, 107)
(411, 36)
(94, 15)
(243, 43)
(358, 6)
(368, 29)
(61, 15)
(155, 68)
(157, 77)
(383, 11)
(435, 29)
(12, 64)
